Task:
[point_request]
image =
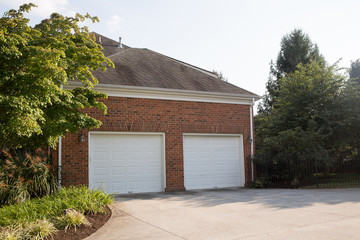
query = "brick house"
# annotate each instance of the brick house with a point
(170, 126)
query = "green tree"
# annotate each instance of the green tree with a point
(295, 48)
(351, 107)
(309, 99)
(354, 72)
(220, 75)
(35, 63)
(308, 116)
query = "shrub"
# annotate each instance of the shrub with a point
(260, 183)
(81, 199)
(24, 176)
(10, 233)
(38, 230)
(71, 218)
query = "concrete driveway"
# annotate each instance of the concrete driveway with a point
(236, 214)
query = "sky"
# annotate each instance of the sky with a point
(236, 37)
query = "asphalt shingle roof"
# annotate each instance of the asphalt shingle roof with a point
(145, 68)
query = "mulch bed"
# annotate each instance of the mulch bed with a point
(81, 232)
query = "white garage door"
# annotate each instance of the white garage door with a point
(213, 161)
(126, 163)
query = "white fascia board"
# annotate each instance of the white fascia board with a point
(169, 94)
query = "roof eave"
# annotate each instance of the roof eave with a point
(170, 94)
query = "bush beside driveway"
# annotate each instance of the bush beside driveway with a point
(236, 214)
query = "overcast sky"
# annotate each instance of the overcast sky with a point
(238, 38)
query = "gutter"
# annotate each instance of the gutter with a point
(252, 139)
(112, 88)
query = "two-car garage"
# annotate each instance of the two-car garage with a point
(135, 162)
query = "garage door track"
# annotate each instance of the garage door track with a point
(236, 214)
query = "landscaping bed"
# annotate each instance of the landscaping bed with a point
(81, 232)
(56, 215)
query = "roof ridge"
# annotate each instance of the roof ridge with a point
(123, 50)
(114, 42)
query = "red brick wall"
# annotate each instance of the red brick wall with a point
(150, 115)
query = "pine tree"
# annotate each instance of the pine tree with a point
(295, 48)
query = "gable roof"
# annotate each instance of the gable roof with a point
(141, 67)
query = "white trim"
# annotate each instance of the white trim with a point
(241, 151)
(163, 155)
(242, 161)
(213, 134)
(169, 94)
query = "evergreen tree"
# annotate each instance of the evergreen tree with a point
(354, 72)
(295, 48)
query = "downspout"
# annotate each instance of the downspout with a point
(59, 156)
(252, 140)
(59, 163)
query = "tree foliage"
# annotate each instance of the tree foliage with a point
(354, 72)
(316, 113)
(36, 62)
(220, 75)
(295, 48)
(351, 104)
(311, 111)
(307, 114)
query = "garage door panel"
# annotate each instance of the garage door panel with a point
(204, 154)
(192, 168)
(151, 184)
(212, 161)
(152, 155)
(222, 153)
(126, 162)
(118, 141)
(134, 171)
(100, 156)
(99, 184)
(118, 171)
(119, 186)
(118, 163)
(133, 187)
(118, 156)
(151, 170)
(98, 171)
(134, 155)
(101, 140)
